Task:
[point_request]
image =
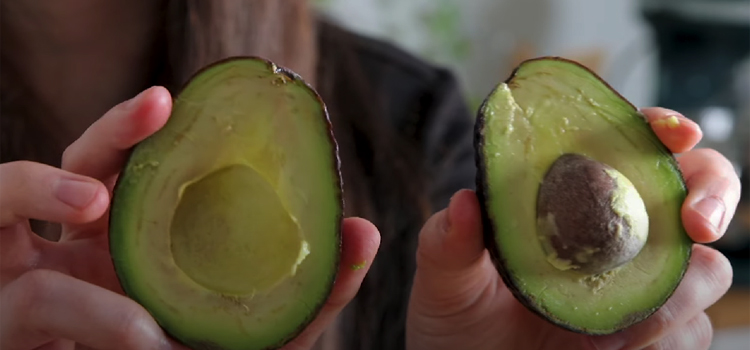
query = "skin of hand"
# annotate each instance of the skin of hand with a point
(459, 301)
(63, 295)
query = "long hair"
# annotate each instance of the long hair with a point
(383, 179)
(380, 168)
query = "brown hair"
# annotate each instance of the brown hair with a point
(381, 176)
(201, 32)
(382, 173)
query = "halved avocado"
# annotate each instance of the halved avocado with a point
(580, 199)
(225, 224)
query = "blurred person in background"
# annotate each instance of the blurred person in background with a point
(70, 71)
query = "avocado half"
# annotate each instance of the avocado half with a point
(580, 200)
(225, 224)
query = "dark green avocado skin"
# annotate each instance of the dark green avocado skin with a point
(483, 184)
(120, 183)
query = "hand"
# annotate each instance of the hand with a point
(458, 300)
(56, 295)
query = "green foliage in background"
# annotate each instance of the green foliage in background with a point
(438, 24)
(443, 24)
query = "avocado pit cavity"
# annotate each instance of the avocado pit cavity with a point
(232, 234)
(590, 217)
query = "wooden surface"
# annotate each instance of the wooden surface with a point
(731, 311)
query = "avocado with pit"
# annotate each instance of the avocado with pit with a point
(225, 224)
(580, 200)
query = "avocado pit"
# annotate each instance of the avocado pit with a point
(590, 217)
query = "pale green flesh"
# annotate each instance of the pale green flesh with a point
(230, 221)
(269, 133)
(526, 129)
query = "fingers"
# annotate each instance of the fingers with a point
(451, 240)
(37, 191)
(714, 188)
(678, 133)
(44, 306)
(713, 194)
(361, 241)
(696, 335)
(707, 279)
(452, 263)
(102, 150)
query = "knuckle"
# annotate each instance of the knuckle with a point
(719, 271)
(696, 334)
(713, 156)
(19, 178)
(16, 171)
(35, 283)
(710, 153)
(711, 160)
(662, 320)
(727, 188)
(133, 326)
(718, 160)
(656, 346)
(34, 289)
(705, 331)
(660, 323)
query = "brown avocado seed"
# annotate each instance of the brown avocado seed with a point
(590, 216)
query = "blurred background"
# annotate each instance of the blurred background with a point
(689, 55)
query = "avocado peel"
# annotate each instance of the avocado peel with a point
(547, 108)
(212, 224)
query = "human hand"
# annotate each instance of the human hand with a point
(459, 301)
(62, 295)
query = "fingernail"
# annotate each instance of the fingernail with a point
(712, 209)
(76, 193)
(611, 342)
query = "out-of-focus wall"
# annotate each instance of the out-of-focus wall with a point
(481, 40)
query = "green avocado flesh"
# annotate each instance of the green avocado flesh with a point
(549, 108)
(225, 223)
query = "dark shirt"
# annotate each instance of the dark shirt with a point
(419, 109)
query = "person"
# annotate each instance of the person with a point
(405, 138)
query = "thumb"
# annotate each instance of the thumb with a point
(451, 254)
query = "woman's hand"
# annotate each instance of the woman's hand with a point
(458, 300)
(56, 295)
